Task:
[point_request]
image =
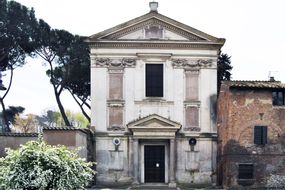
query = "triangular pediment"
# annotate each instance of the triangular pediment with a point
(154, 126)
(153, 121)
(154, 26)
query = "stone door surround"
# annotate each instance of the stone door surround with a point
(153, 127)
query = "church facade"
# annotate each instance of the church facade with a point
(153, 90)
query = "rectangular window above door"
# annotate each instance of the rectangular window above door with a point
(154, 80)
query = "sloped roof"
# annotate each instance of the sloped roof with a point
(255, 84)
(194, 36)
(19, 134)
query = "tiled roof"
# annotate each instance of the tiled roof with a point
(65, 129)
(19, 134)
(255, 84)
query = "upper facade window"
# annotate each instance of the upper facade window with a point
(278, 98)
(153, 32)
(154, 80)
(260, 135)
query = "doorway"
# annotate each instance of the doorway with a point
(154, 163)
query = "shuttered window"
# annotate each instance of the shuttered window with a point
(154, 80)
(278, 98)
(260, 135)
(245, 171)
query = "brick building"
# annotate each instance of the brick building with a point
(251, 128)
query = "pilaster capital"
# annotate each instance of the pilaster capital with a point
(113, 63)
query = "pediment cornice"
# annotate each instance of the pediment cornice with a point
(198, 39)
(154, 126)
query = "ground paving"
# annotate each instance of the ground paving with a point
(154, 188)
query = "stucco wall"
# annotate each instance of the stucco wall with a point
(73, 139)
(135, 102)
(13, 141)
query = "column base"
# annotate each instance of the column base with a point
(172, 185)
(135, 183)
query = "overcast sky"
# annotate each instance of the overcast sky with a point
(254, 32)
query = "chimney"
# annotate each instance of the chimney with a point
(153, 6)
(271, 79)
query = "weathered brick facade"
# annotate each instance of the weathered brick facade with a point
(242, 105)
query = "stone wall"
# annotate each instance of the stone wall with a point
(14, 140)
(239, 111)
(72, 138)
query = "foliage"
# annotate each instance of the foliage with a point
(17, 24)
(52, 46)
(74, 74)
(25, 124)
(68, 58)
(54, 119)
(12, 112)
(224, 68)
(39, 166)
(66, 54)
(276, 182)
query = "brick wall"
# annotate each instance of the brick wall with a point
(239, 111)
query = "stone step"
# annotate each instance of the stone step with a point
(155, 186)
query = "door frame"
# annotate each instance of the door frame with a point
(166, 157)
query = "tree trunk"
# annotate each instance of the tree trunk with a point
(57, 94)
(4, 116)
(81, 107)
(60, 106)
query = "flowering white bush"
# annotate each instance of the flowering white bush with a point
(276, 182)
(38, 166)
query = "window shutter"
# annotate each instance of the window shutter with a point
(264, 134)
(245, 171)
(257, 134)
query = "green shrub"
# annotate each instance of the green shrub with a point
(276, 182)
(38, 166)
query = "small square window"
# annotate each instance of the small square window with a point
(278, 98)
(245, 171)
(260, 135)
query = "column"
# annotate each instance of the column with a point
(172, 183)
(136, 161)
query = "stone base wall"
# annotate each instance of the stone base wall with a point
(192, 167)
(197, 165)
(264, 166)
(112, 162)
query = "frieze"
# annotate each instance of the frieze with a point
(115, 63)
(190, 63)
(197, 129)
(116, 128)
(115, 103)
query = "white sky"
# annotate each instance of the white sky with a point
(254, 32)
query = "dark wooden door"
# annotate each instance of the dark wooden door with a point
(154, 167)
